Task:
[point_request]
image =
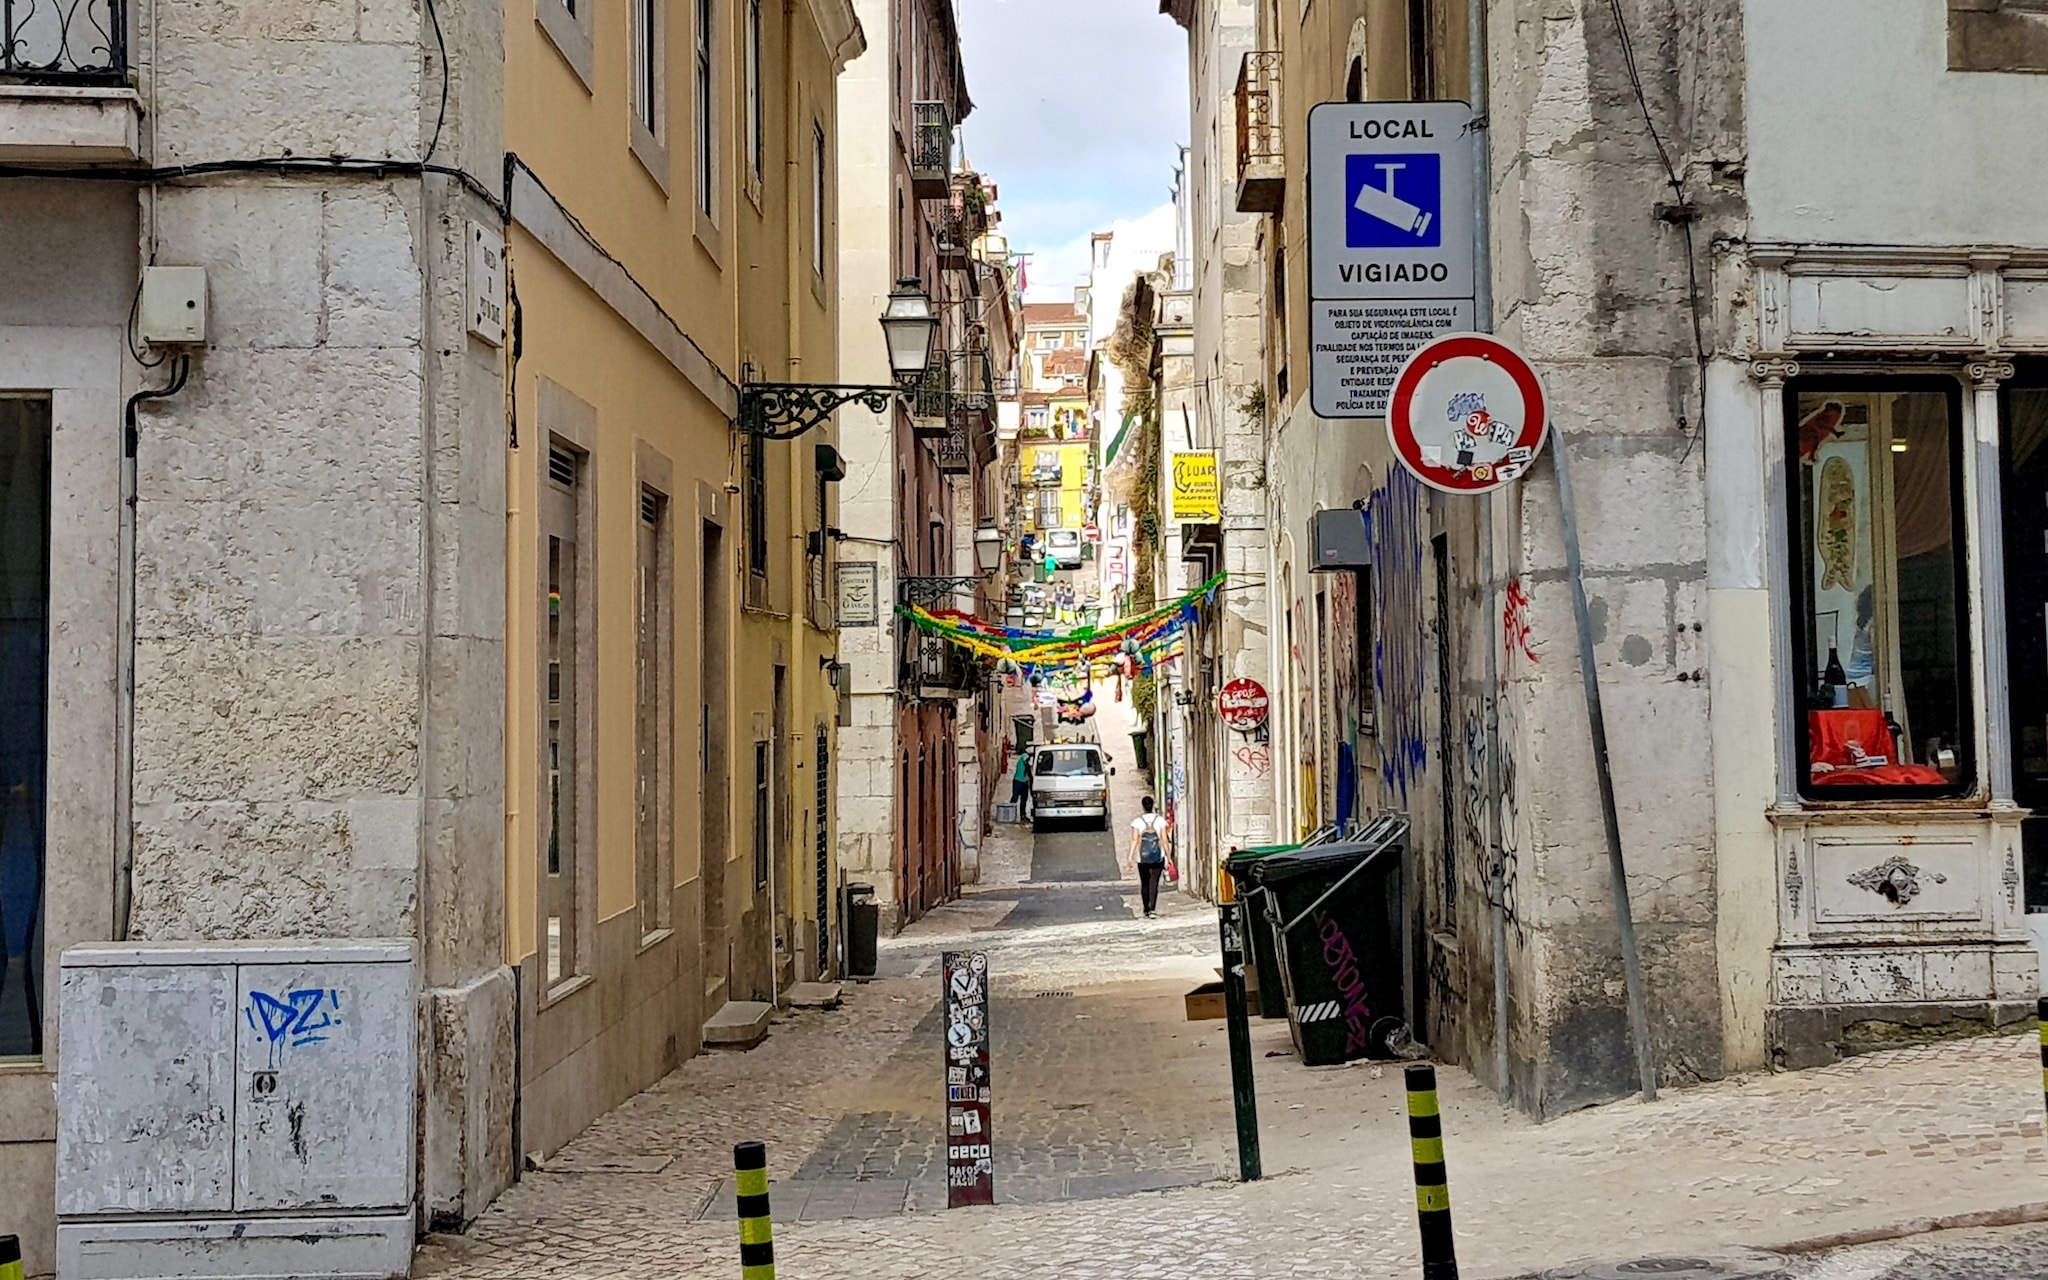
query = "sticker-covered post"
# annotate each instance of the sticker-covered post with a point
(970, 1166)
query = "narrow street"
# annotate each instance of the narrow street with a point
(1114, 1144)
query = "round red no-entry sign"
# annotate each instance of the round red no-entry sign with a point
(1467, 414)
(1242, 704)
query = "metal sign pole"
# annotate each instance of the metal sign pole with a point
(1589, 675)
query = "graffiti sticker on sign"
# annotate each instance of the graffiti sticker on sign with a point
(1243, 705)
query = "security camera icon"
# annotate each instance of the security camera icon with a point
(1381, 202)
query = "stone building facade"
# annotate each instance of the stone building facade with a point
(1797, 399)
(908, 215)
(301, 694)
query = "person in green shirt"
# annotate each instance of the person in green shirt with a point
(1020, 786)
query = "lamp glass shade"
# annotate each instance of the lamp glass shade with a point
(908, 326)
(988, 548)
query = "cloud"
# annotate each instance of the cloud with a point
(1081, 108)
(1058, 266)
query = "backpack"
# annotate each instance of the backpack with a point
(1149, 851)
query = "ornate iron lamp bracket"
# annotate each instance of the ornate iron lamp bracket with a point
(785, 410)
(932, 591)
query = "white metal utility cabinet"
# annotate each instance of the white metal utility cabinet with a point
(236, 1110)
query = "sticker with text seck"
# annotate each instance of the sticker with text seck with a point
(1394, 201)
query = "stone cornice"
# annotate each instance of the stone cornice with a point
(840, 27)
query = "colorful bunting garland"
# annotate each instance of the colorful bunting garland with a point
(1144, 640)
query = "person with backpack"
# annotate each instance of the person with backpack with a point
(1148, 850)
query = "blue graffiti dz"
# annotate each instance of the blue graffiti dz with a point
(298, 1018)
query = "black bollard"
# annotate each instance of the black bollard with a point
(1243, 1099)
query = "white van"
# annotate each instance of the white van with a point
(1069, 780)
(1064, 545)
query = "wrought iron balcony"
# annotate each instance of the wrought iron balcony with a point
(944, 673)
(955, 450)
(1261, 159)
(931, 150)
(64, 41)
(964, 220)
(932, 400)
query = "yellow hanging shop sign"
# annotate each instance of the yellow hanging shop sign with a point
(1197, 489)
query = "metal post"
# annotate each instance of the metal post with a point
(1432, 1190)
(757, 1231)
(1243, 1098)
(1596, 720)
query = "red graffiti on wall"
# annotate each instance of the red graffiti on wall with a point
(1514, 623)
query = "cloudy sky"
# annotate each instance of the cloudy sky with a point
(1080, 107)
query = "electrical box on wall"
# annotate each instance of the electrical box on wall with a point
(1340, 541)
(236, 1109)
(172, 309)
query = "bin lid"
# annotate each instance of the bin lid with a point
(1317, 860)
(856, 889)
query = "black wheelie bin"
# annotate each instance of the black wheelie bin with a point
(1265, 959)
(1335, 913)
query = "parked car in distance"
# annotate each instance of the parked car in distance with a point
(1064, 545)
(1069, 780)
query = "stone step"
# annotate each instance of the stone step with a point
(814, 995)
(741, 1024)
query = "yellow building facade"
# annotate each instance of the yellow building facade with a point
(671, 646)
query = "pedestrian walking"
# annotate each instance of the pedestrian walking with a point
(1148, 850)
(1020, 786)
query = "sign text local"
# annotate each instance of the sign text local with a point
(1390, 244)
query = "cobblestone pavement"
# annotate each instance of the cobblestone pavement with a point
(1107, 1091)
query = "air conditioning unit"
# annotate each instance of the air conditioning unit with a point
(1339, 540)
(236, 1109)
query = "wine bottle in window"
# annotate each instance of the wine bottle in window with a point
(1836, 680)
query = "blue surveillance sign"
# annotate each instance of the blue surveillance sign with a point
(1390, 248)
(1394, 201)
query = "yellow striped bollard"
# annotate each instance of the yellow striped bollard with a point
(1432, 1191)
(10, 1258)
(757, 1233)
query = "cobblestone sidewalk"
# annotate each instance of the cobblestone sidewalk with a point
(1109, 1083)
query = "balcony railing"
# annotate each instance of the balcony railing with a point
(964, 219)
(64, 41)
(931, 400)
(931, 150)
(954, 451)
(1261, 171)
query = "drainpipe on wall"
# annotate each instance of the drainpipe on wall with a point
(1482, 317)
(124, 725)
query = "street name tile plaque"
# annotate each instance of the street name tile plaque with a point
(970, 1167)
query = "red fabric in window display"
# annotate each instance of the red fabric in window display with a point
(1829, 734)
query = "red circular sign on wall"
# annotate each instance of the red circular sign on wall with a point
(1467, 414)
(1242, 704)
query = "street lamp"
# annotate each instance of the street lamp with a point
(988, 547)
(785, 410)
(908, 326)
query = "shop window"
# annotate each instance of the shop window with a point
(1880, 635)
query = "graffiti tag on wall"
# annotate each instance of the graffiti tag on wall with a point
(1393, 519)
